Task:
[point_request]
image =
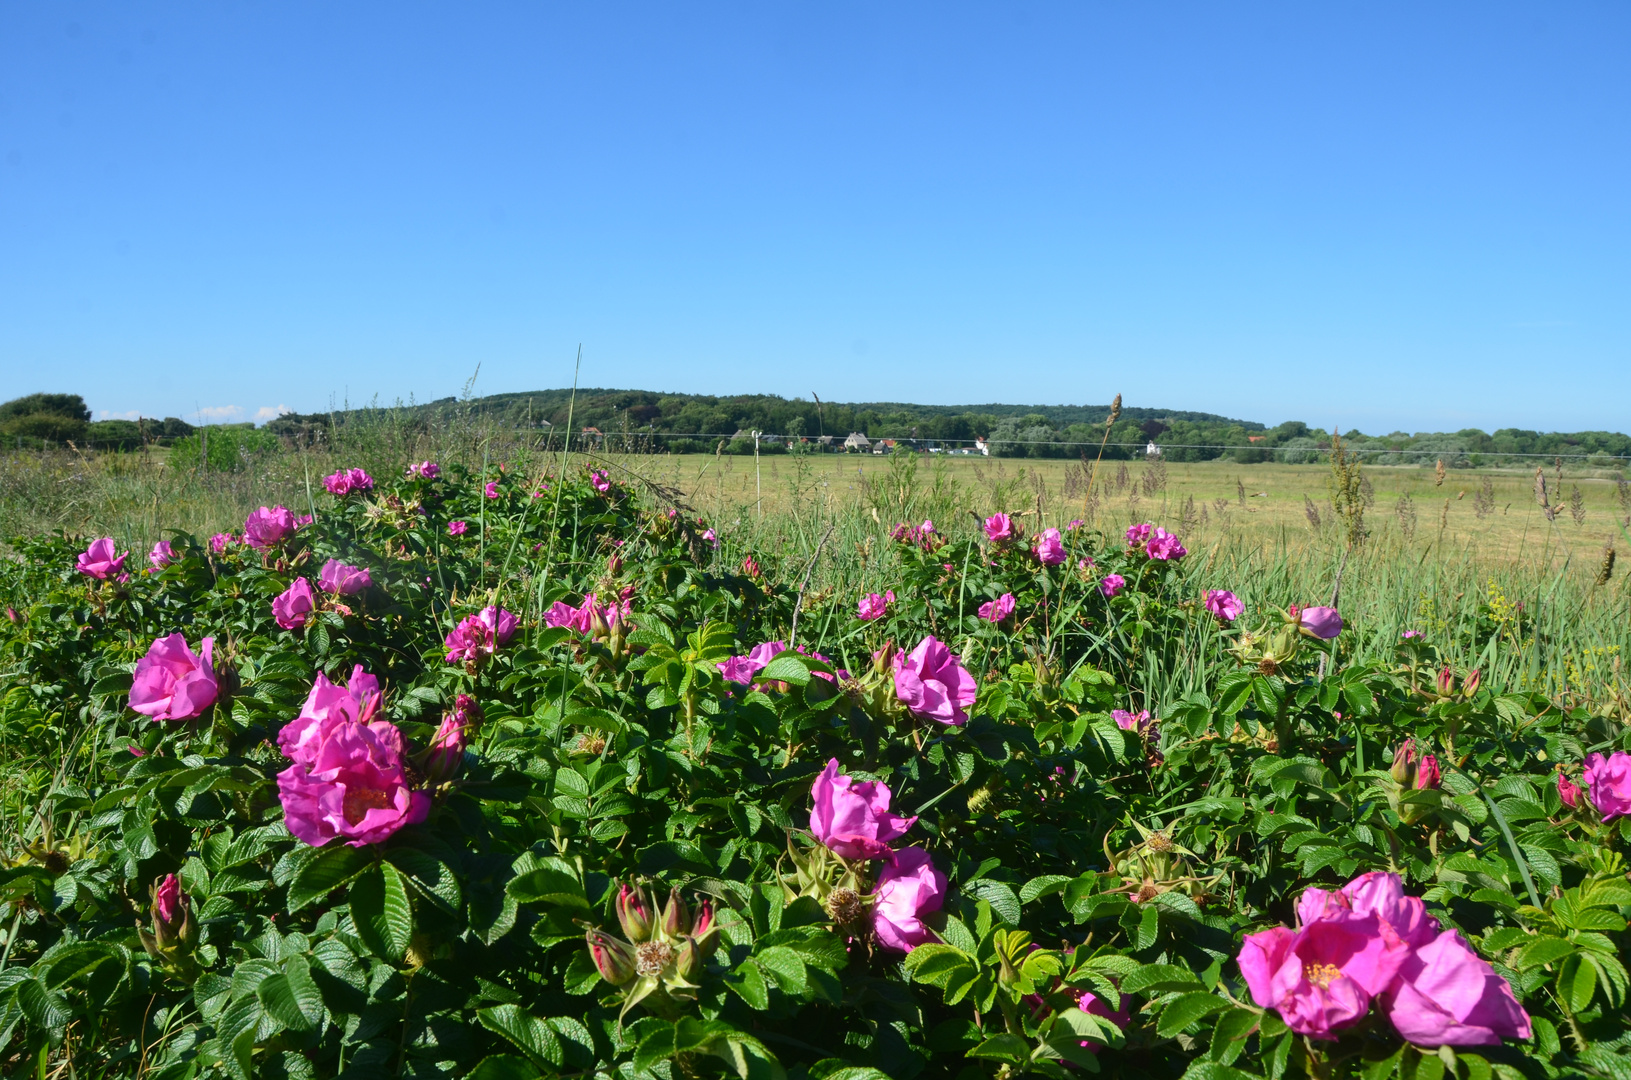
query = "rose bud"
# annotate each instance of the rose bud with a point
(613, 959)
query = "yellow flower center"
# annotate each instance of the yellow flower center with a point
(1321, 975)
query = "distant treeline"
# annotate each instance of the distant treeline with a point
(641, 420)
(44, 420)
(692, 423)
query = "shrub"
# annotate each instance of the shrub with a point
(561, 796)
(223, 448)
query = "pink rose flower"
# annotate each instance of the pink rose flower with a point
(738, 669)
(346, 481)
(873, 606)
(600, 481)
(457, 528)
(294, 605)
(1224, 605)
(1111, 584)
(1321, 622)
(425, 470)
(327, 706)
(1322, 977)
(1610, 783)
(1446, 995)
(1094, 1005)
(1375, 893)
(342, 578)
(994, 611)
(1076, 523)
(99, 561)
(172, 682)
(1409, 634)
(1138, 535)
(933, 684)
(1443, 994)
(1132, 721)
(267, 527)
(909, 887)
(220, 542)
(708, 535)
(742, 669)
(491, 489)
(1568, 791)
(1001, 529)
(573, 618)
(480, 635)
(1050, 548)
(162, 555)
(356, 788)
(851, 817)
(1164, 546)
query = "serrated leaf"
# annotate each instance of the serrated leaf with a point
(1186, 1010)
(554, 882)
(323, 873)
(382, 912)
(531, 1035)
(1159, 978)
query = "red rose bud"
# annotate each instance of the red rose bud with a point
(1568, 791)
(1403, 758)
(676, 916)
(1446, 683)
(11, 613)
(750, 567)
(634, 913)
(1469, 685)
(614, 564)
(172, 918)
(613, 958)
(705, 929)
(446, 750)
(1427, 774)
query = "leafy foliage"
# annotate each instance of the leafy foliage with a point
(1083, 857)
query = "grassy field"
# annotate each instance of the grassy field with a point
(1493, 512)
(1473, 560)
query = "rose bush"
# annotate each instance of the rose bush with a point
(569, 795)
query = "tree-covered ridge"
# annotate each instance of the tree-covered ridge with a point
(697, 422)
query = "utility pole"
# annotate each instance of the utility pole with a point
(758, 489)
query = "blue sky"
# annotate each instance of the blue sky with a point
(1380, 215)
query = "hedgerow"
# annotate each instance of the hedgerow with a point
(511, 776)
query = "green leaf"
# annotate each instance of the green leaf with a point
(1186, 1010)
(787, 669)
(750, 985)
(534, 1037)
(324, 872)
(1541, 951)
(785, 967)
(554, 882)
(1577, 983)
(1003, 1047)
(505, 1067)
(1158, 978)
(383, 913)
(1046, 885)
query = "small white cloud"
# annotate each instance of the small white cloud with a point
(109, 414)
(219, 414)
(270, 412)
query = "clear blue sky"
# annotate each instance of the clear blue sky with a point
(1410, 216)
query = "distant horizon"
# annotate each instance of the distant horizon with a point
(961, 406)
